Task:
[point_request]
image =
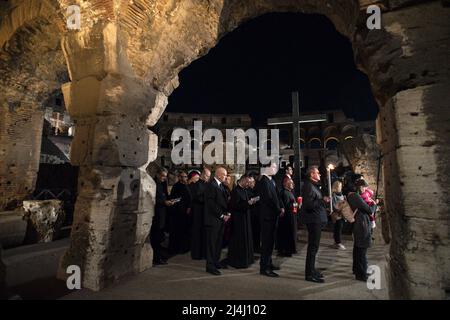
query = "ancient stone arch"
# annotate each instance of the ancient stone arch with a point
(124, 63)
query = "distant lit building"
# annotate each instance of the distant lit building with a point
(320, 140)
(57, 133)
(171, 121)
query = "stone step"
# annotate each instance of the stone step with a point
(13, 228)
(33, 262)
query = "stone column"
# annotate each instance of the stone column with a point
(20, 147)
(409, 67)
(113, 147)
(3, 294)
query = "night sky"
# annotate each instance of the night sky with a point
(254, 69)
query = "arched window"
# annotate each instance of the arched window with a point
(331, 143)
(315, 143)
(302, 144)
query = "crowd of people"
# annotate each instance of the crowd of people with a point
(205, 212)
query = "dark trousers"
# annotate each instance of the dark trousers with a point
(214, 237)
(267, 243)
(360, 261)
(338, 230)
(314, 232)
(156, 237)
(256, 231)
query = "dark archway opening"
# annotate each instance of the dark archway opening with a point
(252, 71)
(254, 68)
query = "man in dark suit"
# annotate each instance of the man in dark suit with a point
(270, 209)
(159, 219)
(216, 213)
(314, 215)
(198, 250)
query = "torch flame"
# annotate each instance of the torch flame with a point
(330, 166)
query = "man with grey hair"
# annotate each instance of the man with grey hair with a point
(216, 214)
(314, 215)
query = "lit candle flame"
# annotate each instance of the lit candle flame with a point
(330, 166)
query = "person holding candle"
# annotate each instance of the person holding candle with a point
(362, 238)
(314, 215)
(287, 223)
(337, 196)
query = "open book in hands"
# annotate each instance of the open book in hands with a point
(253, 200)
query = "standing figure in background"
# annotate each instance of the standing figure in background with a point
(216, 214)
(198, 248)
(179, 240)
(254, 213)
(287, 223)
(240, 249)
(362, 236)
(337, 196)
(270, 209)
(160, 217)
(314, 215)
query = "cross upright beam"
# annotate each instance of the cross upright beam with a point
(296, 140)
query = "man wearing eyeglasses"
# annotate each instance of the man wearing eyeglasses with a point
(314, 215)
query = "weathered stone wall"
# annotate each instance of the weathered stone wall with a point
(124, 63)
(409, 67)
(363, 154)
(113, 147)
(20, 145)
(31, 68)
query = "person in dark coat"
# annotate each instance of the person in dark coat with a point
(160, 216)
(362, 238)
(198, 249)
(314, 215)
(179, 240)
(240, 247)
(216, 214)
(254, 213)
(270, 209)
(287, 223)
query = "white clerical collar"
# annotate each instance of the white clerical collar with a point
(218, 181)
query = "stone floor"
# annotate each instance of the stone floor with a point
(184, 278)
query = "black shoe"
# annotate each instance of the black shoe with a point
(317, 274)
(159, 262)
(214, 272)
(269, 273)
(223, 264)
(361, 278)
(314, 279)
(273, 267)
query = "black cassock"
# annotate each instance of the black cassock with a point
(287, 225)
(256, 228)
(240, 247)
(198, 235)
(180, 224)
